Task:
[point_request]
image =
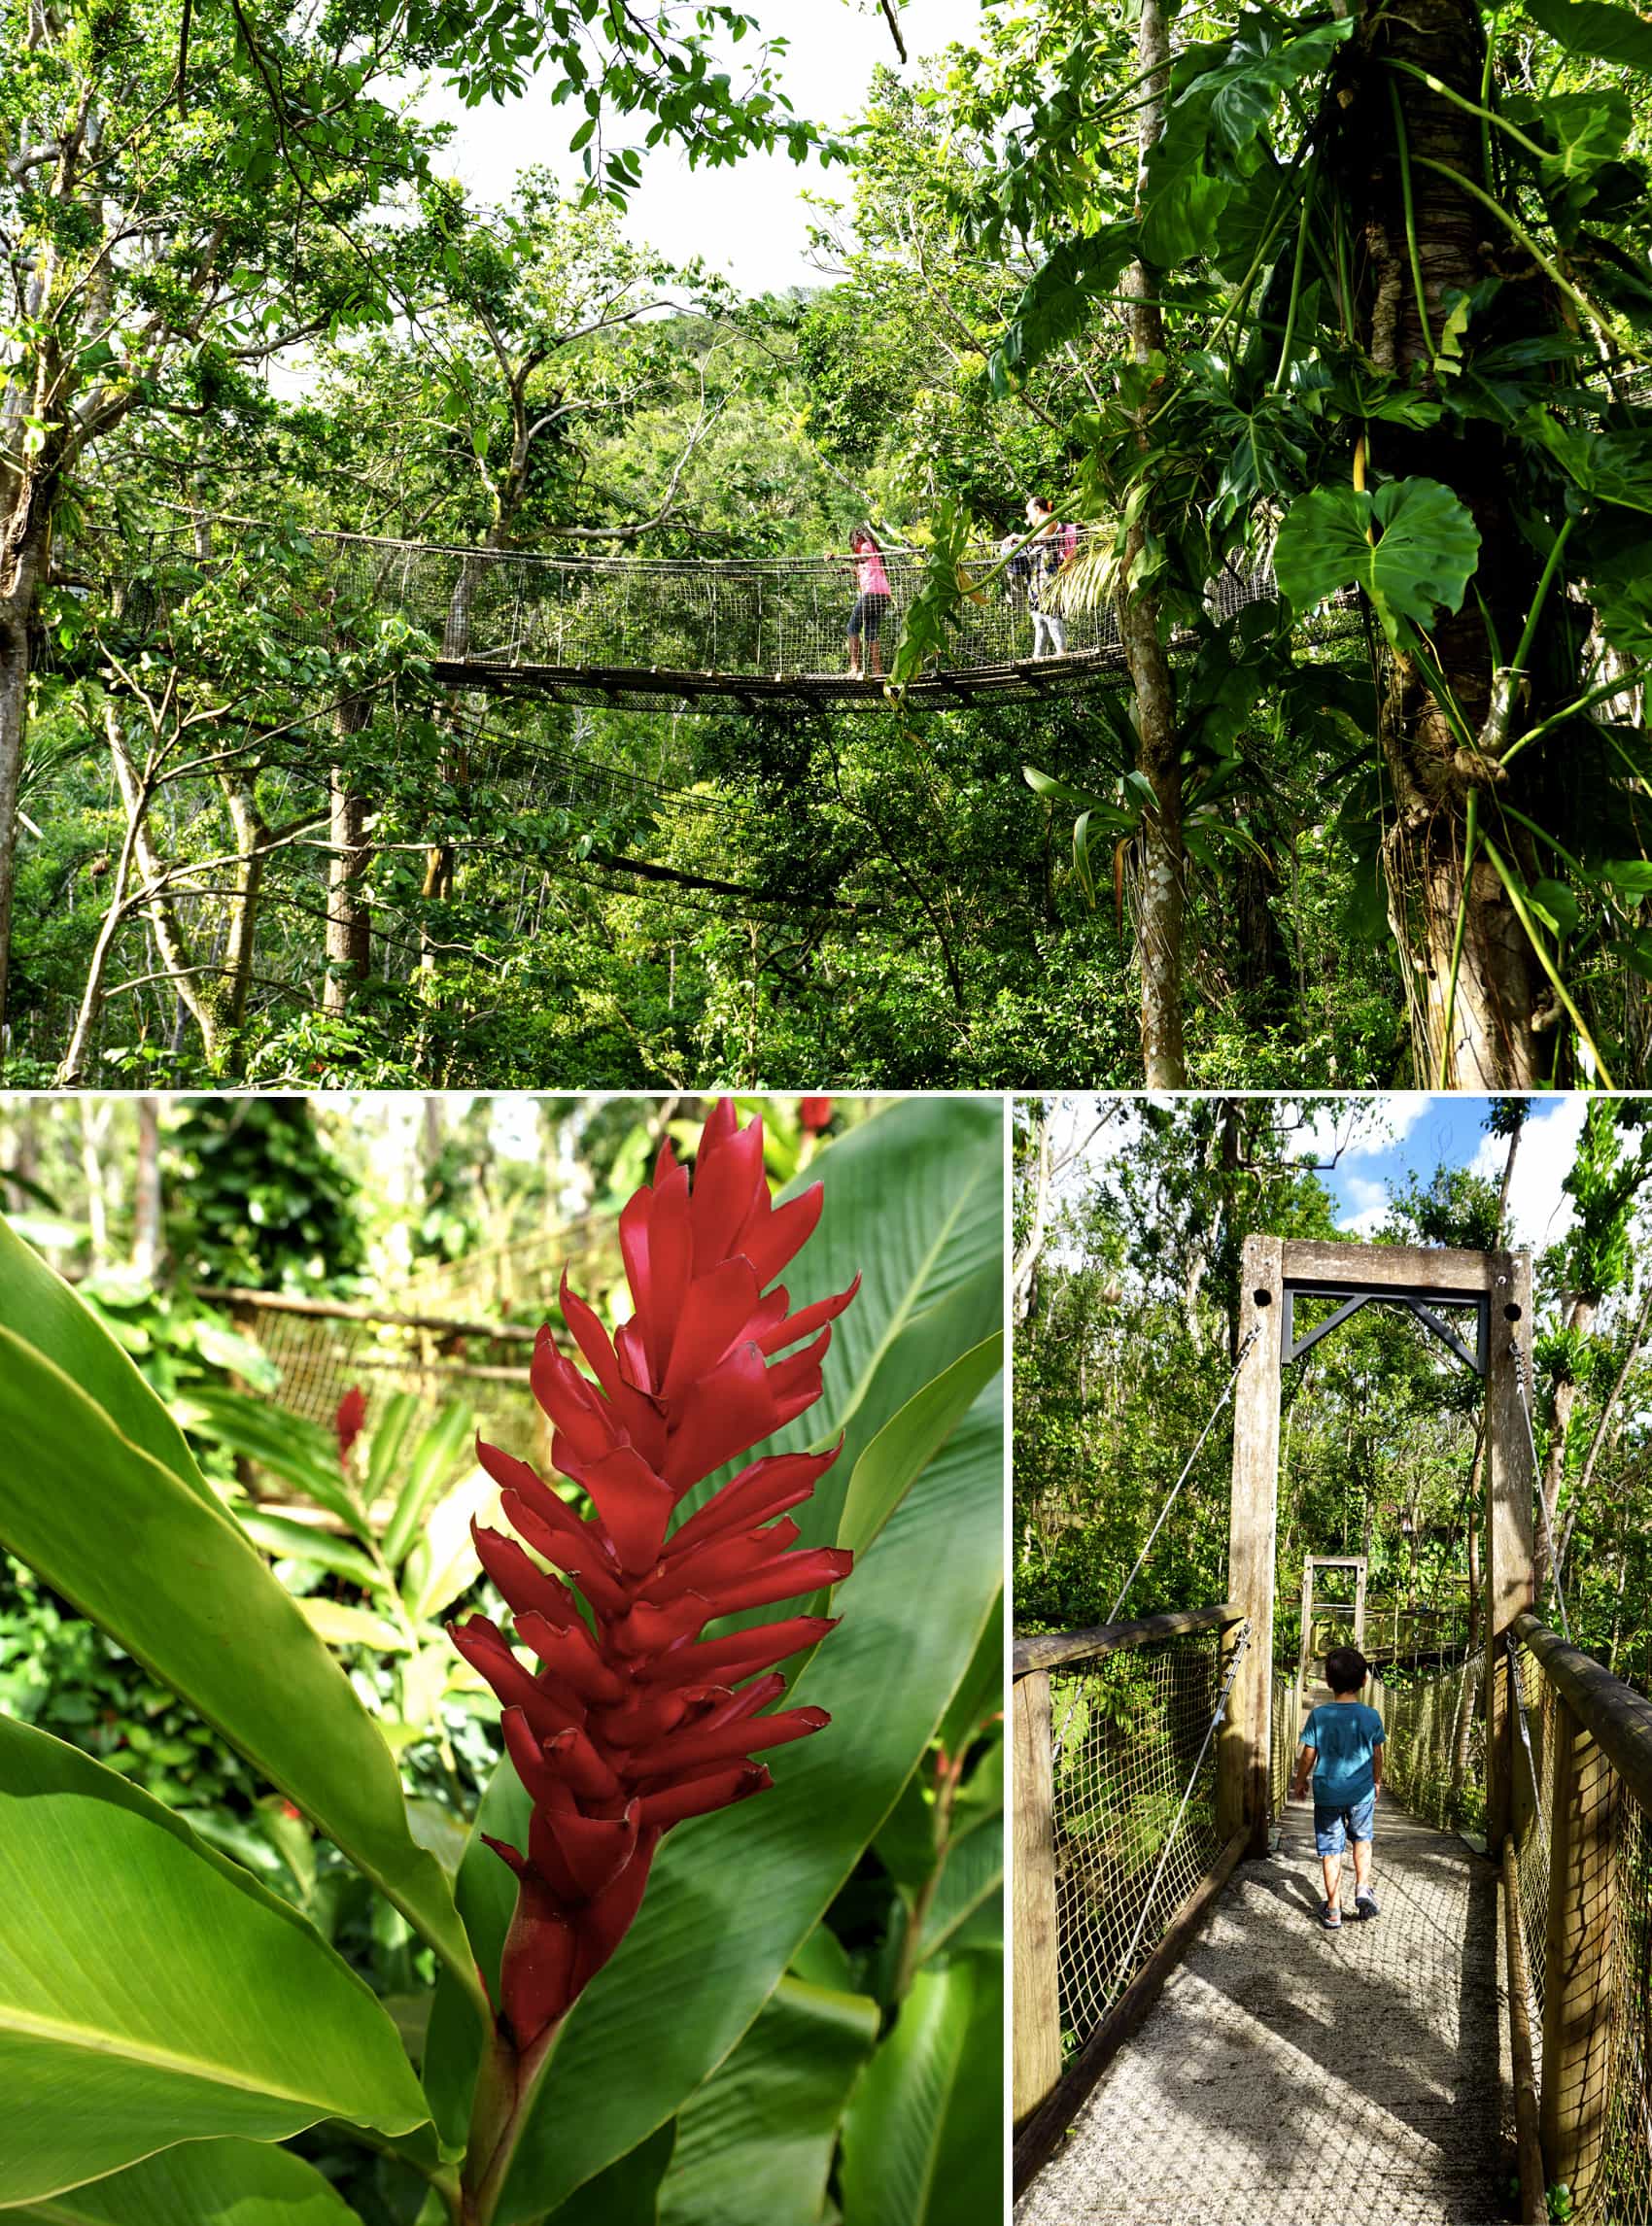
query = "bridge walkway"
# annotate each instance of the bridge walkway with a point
(1289, 2075)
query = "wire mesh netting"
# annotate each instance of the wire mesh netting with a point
(1533, 1805)
(656, 630)
(1131, 1841)
(319, 1358)
(1623, 2193)
(1282, 1743)
(1434, 1756)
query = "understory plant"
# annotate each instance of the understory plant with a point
(724, 1942)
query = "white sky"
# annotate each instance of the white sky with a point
(748, 221)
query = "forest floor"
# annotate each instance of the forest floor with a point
(1295, 2076)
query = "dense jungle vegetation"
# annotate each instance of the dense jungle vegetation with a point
(1127, 1289)
(1362, 294)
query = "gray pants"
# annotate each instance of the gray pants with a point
(1049, 634)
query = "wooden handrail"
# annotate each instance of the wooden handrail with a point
(344, 1310)
(1051, 1649)
(1615, 1716)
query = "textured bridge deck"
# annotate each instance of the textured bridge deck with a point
(1292, 2076)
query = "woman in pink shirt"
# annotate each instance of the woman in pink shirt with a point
(871, 601)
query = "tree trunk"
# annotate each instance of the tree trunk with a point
(1497, 1008)
(23, 565)
(1160, 900)
(348, 924)
(146, 1194)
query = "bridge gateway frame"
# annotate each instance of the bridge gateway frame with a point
(1425, 1281)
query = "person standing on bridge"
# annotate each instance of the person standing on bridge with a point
(871, 602)
(1342, 1746)
(1048, 554)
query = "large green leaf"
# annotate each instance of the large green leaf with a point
(1060, 298)
(1597, 29)
(734, 1896)
(442, 1452)
(1424, 556)
(756, 2142)
(923, 2136)
(288, 1446)
(200, 2184)
(628, 2193)
(170, 1575)
(910, 1440)
(150, 1992)
(48, 1316)
(914, 1206)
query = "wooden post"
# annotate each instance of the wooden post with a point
(1242, 1758)
(1359, 1609)
(1304, 1647)
(1509, 1486)
(1577, 1986)
(1036, 2010)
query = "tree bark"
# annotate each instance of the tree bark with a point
(1497, 1008)
(22, 565)
(1160, 902)
(348, 924)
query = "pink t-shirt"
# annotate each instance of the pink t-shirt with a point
(873, 579)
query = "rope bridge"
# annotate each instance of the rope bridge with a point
(652, 634)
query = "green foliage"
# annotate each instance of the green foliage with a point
(265, 1203)
(1411, 546)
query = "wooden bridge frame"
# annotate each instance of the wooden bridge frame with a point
(1274, 1273)
(1310, 1564)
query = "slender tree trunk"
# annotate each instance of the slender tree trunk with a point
(1496, 1006)
(1161, 897)
(146, 1194)
(348, 924)
(22, 565)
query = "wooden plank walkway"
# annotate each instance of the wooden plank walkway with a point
(1292, 2076)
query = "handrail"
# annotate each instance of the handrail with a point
(1613, 1714)
(1049, 1650)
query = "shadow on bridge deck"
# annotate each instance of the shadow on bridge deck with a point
(1292, 2076)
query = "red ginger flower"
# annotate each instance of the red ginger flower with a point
(633, 1723)
(348, 1422)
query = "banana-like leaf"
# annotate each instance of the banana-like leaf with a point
(910, 1440)
(200, 2184)
(300, 1452)
(734, 1897)
(163, 1567)
(441, 1452)
(923, 2134)
(756, 2143)
(290, 1541)
(150, 1992)
(628, 2193)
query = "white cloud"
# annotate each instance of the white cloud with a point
(1540, 1211)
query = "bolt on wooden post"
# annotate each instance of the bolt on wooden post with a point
(1242, 1758)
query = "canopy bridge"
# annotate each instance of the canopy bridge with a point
(1190, 2045)
(703, 635)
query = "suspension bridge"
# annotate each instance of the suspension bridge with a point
(1190, 2043)
(702, 634)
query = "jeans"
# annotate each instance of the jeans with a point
(1334, 1827)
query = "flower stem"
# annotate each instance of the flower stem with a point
(505, 2086)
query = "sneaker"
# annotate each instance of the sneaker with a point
(1330, 1918)
(1365, 1904)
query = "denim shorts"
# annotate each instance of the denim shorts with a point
(867, 617)
(1334, 1827)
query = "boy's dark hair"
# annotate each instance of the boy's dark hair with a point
(1346, 1669)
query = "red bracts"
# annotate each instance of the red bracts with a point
(629, 1721)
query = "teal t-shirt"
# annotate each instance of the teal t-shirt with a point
(1345, 1734)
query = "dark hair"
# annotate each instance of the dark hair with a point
(863, 537)
(1044, 503)
(1346, 1669)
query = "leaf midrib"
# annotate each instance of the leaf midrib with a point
(98, 2042)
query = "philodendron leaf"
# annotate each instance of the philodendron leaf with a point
(1060, 298)
(200, 2184)
(755, 2143)
(1424, 550)
(152, 1992)
(159, 1565)
(922, 2140)
(1596, 30)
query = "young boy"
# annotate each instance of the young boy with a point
(1342, 1745)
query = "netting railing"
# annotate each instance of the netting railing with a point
(1118, 1846)
(1131, 1843)
(1283, 1718)
(1434, 1758)
(674, 621)
(1580, 1812)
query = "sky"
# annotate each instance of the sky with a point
(750, 221)
(1367, 1148)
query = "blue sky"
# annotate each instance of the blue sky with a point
(1375, 1142)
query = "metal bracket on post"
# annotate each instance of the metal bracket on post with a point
(1415, 1302)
